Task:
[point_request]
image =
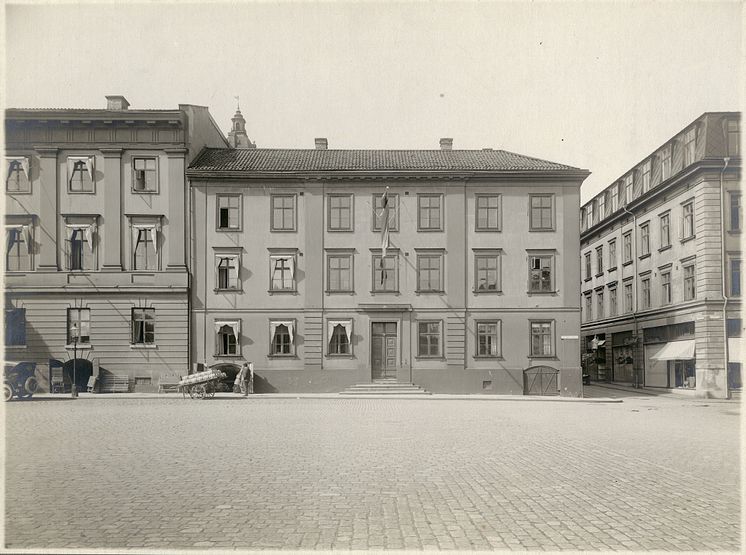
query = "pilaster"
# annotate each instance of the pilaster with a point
(112, 224)
(48, 209)
(176, 186)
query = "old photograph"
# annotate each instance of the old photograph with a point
(372, 276)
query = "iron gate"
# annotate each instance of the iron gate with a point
(540, 380)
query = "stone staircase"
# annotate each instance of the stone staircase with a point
(384, 387)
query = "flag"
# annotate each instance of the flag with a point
(384, 231)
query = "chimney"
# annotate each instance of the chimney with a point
(446, 144)
(321, 143)
(116, 102)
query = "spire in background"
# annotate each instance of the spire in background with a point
(237, 136)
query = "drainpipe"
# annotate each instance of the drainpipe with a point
(724, 264)
(635, 369)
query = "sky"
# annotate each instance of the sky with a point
(596, 85)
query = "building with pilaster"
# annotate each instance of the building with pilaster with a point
(661, 266)
(96, 218)
(454, 270)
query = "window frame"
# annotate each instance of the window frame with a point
(733, 128)
(235, 325)
(350, 208)
(498, 212)
(552, 255)
(685, 267)
(738, 212)
(133, 162)
(74, 165)
(588, 266)
(292, 270)
(87, 225)
(441, 212)
(628, 287)
(375, 256)
(588, 301)
(552, 346)
(731, 280)
(272, 224)
(427, 254)
(612, 256)
(350, 256)
(10, 338)
(599, 260)
(429, 321)
(613, 301)
(273, 326)
(376, 198)
(690, 146)
(486, 254)
(330, 338)
(627, 242)
(531, 225)
(80, 311)
(239, 209)
(600, 312)
(144, 310)
(497, 338)
(664, 226)
(685, 218)
(219, 256)
(644, 240)
(666, 286)
(20, 165)
(646, 294)
(23, 244)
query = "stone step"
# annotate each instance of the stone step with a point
(389, 388)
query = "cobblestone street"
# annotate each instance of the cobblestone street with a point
(648, 473)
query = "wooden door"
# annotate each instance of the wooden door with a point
(383, 350)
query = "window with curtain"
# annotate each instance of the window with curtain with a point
(541, 339)
(143, 326)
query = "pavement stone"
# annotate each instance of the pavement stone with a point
(372, 474)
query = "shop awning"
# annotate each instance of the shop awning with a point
(676, 350)
(736, 351)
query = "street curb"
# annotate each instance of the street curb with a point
(329, 396)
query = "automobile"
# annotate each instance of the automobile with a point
(20, 381)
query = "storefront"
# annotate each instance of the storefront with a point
(670, 358)
(623, 357)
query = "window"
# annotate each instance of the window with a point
(612, 301)
(428, 339)
(487, 272)
(229, 212)
(340, 212)
(283, 213)
(282, 272)
(228, 271)
(429, 212)
(15, 327)
(687, 221)
(227, 334)
(666, 162)
(145, 177)
(599, 304)
(78, 325)
(665, 221)
(340, 332)
(612, 204)
(735, 211)
(646, 170)
(666, 287)
(733, 128)
(690, 146)
(80, 174)
(628, 188)
(378, 211)
(385, 278)
(602, 206)
(282, 335)
(690, 291)
(588, 308)
(644, 240)
(488, 338)
(735, 277)
(339, 273)
(430, 272)
(541, 339)
(145, 247)
(599, 259)
(645, 293)
(488, 213)
(593, 215)
(143, 326)
(19, 246)
(584, 218)
(541, 215)
(628, 306)
(17, 180)
(540, 274)
(588, 272)
(627, 247)
(612, 254)
(79, 247)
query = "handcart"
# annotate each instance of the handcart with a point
(202, 384)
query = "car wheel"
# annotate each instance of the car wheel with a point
(31, 385)
(8, 392)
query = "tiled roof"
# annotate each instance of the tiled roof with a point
(273, 160)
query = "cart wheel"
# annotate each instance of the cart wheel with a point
(31, 385)
(199, 391)
(190, 390)
(210, 390)
(8, 392)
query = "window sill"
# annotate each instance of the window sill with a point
(429, 292)
(391, 230)
(612, 269)
(328, 292)
(229, 290)
(333, 356)
(289, 356)
(664, 248)
(487, 230)
(392, 292)
(16, 347)
(143, 346)
(488, 357)
(544, 357)
(282, 291)
(588, 278)
(136, 192)
(17, 192)
(541, 292)
(80, 347)
(599, 274)
(282, 231)
(423, 230)
(687, 239)
(227, 356)
(228, 229)
(69, 192)
(734, 231)
(328, 230)
(643, 256)
(541, 230)
(487, 291)
(426, 357)
(627, 263)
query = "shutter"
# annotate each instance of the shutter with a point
(89, 165)
(27, 237)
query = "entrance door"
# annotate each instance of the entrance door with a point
(383, 350)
